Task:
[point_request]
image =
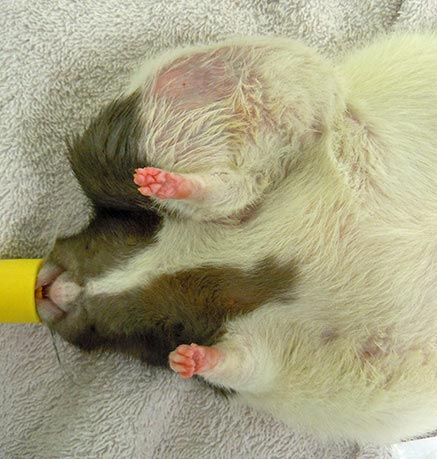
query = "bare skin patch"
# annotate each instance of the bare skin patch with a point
(192, 81)
(224, 77)
(329, 336)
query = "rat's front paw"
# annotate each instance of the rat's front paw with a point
(190, 360)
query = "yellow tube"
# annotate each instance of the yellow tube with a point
(17, 290)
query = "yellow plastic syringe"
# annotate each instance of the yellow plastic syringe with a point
(17, 287)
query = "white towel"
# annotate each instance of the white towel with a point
(60, 61)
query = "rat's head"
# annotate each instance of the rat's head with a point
(116, 286)
(68, 305)
(102, 290)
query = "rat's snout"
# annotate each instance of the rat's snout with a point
(63, 290)
(55, 292)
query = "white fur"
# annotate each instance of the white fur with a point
(355, 354)
(222, 124)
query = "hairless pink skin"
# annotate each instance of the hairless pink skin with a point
(189, 360)
(162, 184)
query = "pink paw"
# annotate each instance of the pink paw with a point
(162, 184)
(190, 360)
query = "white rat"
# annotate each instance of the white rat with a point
(320, 305)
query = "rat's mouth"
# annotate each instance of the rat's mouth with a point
(47, 275)
(42, 292)
(47, 309)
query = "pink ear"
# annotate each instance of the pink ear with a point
(197, 80)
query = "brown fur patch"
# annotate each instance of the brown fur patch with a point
(224, 292)
(183, 307)
(106, 155)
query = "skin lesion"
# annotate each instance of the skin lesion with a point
(192, 81)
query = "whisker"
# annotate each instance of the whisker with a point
(67, 375)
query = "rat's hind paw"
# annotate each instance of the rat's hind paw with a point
(163, 184)
(190, 360)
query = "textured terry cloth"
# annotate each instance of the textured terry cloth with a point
(59, 62)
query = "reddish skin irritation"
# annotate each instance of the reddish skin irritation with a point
(191, 82)
(189, 360)
(162, 184)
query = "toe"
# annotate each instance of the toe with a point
(185, 349)
(139, 180)
(179, 358)
(145, 191)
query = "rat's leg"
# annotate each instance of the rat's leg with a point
(194, 359)
(226, 364)
(168, 185)
(205, 195)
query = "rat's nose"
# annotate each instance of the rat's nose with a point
(63, 291)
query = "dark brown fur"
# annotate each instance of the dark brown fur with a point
(106, 155)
